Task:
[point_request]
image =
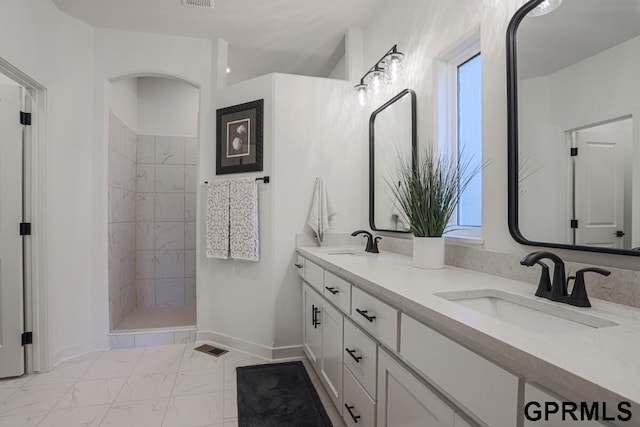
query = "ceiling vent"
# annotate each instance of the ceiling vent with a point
(208, 4)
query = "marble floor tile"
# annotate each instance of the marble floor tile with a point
(198, 382)
(92, 392)
(33, 399)
(14, 383)
(88, 416)
(110, 368)
(195, 410)
(24, 420)
(6, 392)
(122, 354)
(146, 387)
(196, 360)
(158, 364)
(65, 372)
(147, 413)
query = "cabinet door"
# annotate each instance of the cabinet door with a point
(331, 362)
(312, 327)
(404, 400)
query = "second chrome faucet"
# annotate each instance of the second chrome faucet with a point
(557, 290)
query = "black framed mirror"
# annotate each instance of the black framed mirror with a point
(573, 93)
(392, 135)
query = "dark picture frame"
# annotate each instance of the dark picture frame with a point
(239, 138)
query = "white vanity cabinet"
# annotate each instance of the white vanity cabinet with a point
(404, 400)
(331, 323)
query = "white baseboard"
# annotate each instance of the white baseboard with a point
(258, 350)
(77, 350)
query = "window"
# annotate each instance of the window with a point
(458, 125)
(469, 138)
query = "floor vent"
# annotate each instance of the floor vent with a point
(211, 350)
(199, 3)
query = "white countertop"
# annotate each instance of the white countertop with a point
(601, 364)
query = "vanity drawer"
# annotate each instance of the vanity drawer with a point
(536, 394)
(380, 319)
(338, 291)
(357, 403)
(360, 356)
(300, 266)
(314, 275)
(488, 391)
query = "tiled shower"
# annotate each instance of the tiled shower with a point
(152, 189)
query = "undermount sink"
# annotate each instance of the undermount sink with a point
(526, 313)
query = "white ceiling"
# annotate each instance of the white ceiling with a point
(575, 31)
(289, 36)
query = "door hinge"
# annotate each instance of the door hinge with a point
(574, 151)
(25, 229)
(27, 338)
(574, 223)
(25, 118)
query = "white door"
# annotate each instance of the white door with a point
(11, 290)
(332, 350)
(599, 189)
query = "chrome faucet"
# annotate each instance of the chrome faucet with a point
(557, 289)
(372, 243)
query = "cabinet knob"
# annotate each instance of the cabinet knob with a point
(298, 265)
(353, 416)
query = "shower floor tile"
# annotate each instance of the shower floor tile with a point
(144, 318)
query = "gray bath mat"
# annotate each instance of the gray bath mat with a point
(278, 395)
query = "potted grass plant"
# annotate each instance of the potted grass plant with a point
(427, 194)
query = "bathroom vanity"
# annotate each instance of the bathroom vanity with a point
(398, 346)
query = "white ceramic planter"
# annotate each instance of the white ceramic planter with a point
(428, 252)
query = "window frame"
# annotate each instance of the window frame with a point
(446, 115)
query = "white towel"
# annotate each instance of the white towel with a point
(322, 210)
(244, 240)
(218, 219)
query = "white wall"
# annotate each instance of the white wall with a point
(122, 98)
(167, 107)
(259, 303)
(57, 51)
(340, 70)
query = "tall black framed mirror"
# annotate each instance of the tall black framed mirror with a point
(392, 136)
(573, 85)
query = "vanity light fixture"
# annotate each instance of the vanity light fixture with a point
(547, 6)
(385, 70)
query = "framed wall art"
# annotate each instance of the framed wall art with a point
(239, 138)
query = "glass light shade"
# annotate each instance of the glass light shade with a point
(545, 7)
(393, 63)
(376, 80)
(362, 94)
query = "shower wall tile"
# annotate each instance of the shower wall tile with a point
(145, 265)
(145, 236)
(190, 291)
(190, 264)
(170, 292)
(169, 207)
(169, 235)
(170, 150)
(145, 178)
(170, 178)
(122, 215)
(190, 207)
(146, 149)
(169, 265)
(146, 292)
(190, 235)
(190, 179)
(166, 184)
(145, 207)
(191, 151)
